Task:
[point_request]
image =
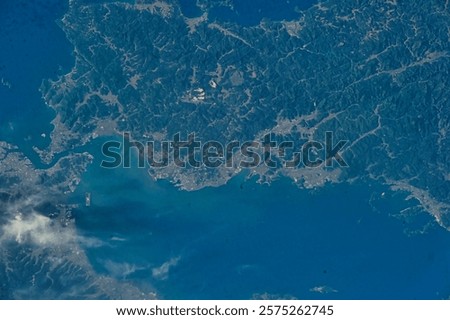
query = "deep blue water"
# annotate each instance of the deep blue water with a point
(231, 241)
(244, 238)
(33, 48)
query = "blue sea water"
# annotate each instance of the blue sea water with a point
(244, 238)
(227, 242)
(33, 48)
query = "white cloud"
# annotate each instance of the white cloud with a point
(323, 289)
(121, 270)
(162, 272)
(42, 231)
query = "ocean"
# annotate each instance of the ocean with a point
(245, 239)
